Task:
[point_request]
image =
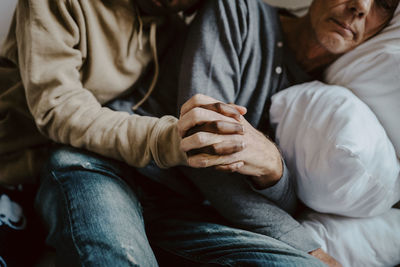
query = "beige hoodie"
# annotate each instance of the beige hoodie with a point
(61, 61)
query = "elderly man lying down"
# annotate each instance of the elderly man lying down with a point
(246, 66)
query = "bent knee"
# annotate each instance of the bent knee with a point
(68, 158)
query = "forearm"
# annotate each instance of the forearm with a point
(281, 192)
(131, 138)
(233, 198)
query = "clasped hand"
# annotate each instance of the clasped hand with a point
(215, 134)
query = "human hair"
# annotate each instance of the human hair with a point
(388, 5)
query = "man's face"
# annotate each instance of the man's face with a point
(159, 7)
(341, 25)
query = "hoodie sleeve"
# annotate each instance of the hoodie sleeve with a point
(49, 34)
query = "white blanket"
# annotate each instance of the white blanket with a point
(362, 242)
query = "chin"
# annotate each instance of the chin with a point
(335, 44)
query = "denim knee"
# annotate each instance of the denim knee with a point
(66, 158)
(93, 216)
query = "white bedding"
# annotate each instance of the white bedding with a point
(340, 156)
(358, 242)
(343, 163)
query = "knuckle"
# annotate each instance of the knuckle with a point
(244, 144)
(235, 147)
(191, 162)
(182, 146)
(197, 162)
(203, 163)
(197, 113)
(227, 168)
(215, 149)
(239, 128)
(239, 146)
(216, 125)
(233, 167)
(236, 157)
(240, 139)
(218, 106)
(197, 98)
(200, 138)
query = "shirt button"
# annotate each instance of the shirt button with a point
(278, 70)
(279, 44)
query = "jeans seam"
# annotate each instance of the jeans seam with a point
(70, 219)
(95, 167)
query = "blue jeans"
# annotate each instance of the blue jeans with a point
(101, 212)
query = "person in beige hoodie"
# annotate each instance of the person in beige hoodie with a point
(60, 63)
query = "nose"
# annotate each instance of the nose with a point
(360, 8)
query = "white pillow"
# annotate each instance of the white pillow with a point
(339, 154)
(372, 72)
(358, 242)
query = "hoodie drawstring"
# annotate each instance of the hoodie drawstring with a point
(153, 45)
(140, 34)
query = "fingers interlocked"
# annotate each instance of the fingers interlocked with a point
(211, 130)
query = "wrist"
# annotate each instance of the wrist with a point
(167, 152)
(265, 181)
(271, 178)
